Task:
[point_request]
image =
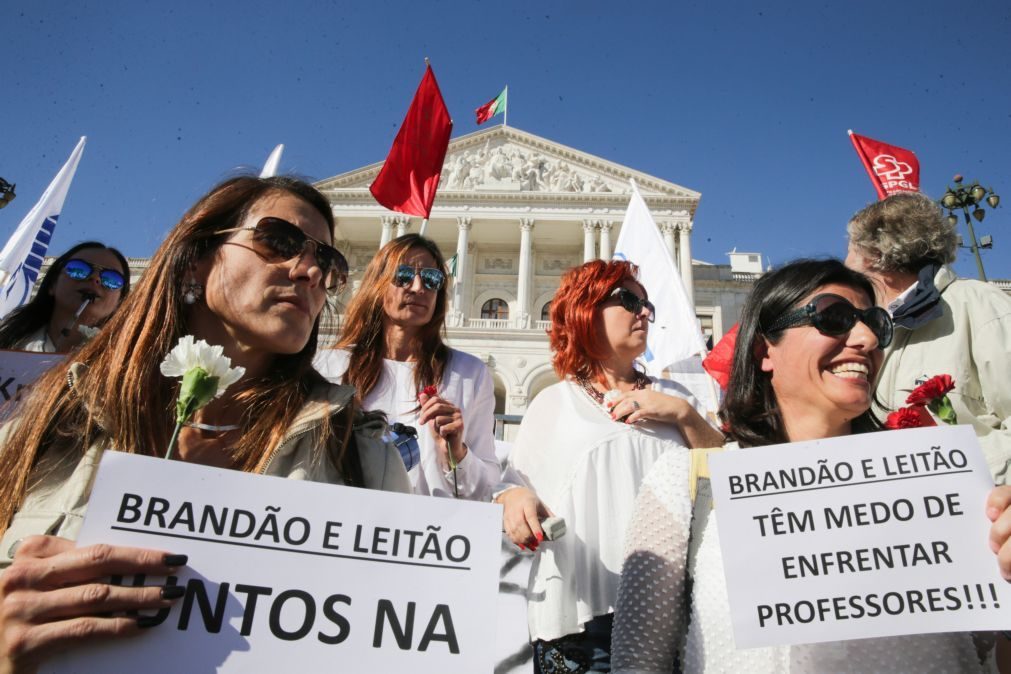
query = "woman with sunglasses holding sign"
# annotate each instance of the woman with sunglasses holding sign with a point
(391, 351)
(809, 346)
(248, 268)
(79, 292)
(582, 449)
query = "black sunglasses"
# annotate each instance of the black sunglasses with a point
(277, 240)
(632, 303)
(834, 316)
(80, 270)
(431, 278)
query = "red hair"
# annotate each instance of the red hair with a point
(577, 339)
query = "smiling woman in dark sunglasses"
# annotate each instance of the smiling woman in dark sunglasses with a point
(249, 268)
(81, 288)
(808, 348)
(391, 350)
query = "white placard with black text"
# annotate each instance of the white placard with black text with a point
(861, 536)
(19, 369)
(295, 576)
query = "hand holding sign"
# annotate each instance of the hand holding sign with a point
(51, 596)
(998, 509)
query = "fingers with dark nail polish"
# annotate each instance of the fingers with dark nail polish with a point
(175, 560)
(172, 591)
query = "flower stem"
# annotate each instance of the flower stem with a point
(174, 440)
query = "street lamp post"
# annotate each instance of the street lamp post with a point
(6, 193)
(964, 196)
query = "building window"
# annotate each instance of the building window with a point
(546, 311)
(495, 308)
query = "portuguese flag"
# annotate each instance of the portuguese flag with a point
(492, 107)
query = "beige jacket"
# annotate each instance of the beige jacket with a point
(57, 504)
(971, 341)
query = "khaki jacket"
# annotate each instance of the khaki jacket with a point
(971, 341)
(57, 504)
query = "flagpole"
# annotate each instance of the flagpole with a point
(505, 113)
(424, 226)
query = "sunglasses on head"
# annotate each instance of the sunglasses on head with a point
(431, 278)
(277, 240)
(834, 316)
(632, 303)
(79, 270)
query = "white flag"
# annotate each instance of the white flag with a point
(675, 336)
(273, 161)
(22, 257)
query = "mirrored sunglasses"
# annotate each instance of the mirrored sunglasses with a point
(633, 304)
(80, 270)
(431, 278)
(277, 240)
(834, 316)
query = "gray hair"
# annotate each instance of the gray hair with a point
(903, 233)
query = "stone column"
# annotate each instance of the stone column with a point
(588, 228)
(667, 229)
(605, 240)
(459, 317)
(685, 259)
(403, 224)
(387, 230)
(523, 282)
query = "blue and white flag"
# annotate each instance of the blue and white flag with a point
(273, 162)
(675, 336)
(22, 257)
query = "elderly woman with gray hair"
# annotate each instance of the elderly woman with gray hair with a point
(943, 324)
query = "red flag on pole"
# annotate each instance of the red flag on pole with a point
(892, 169)
(409, 178)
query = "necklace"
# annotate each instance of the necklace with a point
(213, 429)
(641, 382)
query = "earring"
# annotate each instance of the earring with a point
(192, 291)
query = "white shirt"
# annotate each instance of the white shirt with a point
(587, 469)
(467, 384)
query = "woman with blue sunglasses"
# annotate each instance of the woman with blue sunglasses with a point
(391, 350)
(80, 291)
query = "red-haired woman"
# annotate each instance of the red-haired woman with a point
(391, 351)
(583, 447)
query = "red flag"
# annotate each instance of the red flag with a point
(409, 178)
(892, 169)
(719, 360)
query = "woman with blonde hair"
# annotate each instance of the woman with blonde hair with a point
(249, 268)
(392, 351)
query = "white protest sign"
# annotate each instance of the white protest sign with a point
(18, 369)
(295, 576)
(861, 536)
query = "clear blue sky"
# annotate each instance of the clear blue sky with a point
(747, 103)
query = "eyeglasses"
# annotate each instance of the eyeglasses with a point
(431, 278)
(277, 240)
(632, 303)
(834, 316)
(80, 270)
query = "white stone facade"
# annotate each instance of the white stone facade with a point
(518, 211)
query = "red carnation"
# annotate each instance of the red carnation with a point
(909, 417)
(429, 391)
(932, 389)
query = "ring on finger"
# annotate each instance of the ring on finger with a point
(635, 406)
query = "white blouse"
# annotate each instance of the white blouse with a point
(465, 383)
(649, 622)
(587, 469)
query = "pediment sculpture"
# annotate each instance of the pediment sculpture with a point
(513, 168)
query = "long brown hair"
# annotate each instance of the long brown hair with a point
(126, 398)
(363, 335)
